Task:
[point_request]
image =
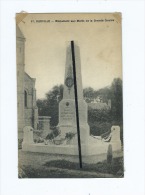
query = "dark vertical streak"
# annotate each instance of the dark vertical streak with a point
(76, 102)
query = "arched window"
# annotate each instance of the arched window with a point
(25, 98)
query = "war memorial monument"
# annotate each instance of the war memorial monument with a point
(73, 120)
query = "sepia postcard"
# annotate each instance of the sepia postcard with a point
(69, 95)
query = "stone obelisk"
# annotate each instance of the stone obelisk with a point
(67, 110)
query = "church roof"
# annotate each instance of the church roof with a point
(28, 76)
(19, 34)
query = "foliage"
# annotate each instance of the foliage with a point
(114, 93)
(50, 136)
(102, 120)
(99, 115)
(88, 94)
(117, 99)
(69, 135)
(49, 105)
(98, 128)
(39, 140)
(99, 120)
(53, 134)
(56, 132)
(102, 167)
(109, 154)
(104, 94)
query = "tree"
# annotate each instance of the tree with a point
(103, 93)
(42, 105)
(99, 120)
(116, 98)
(49, 105)
(88, 94)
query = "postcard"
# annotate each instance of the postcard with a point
(69, 95)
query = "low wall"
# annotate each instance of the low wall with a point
(93, 148)
(70, 152)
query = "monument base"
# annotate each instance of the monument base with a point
(95, 148)
(90, 153)
(67, 118)
(87, 150)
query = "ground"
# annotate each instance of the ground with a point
(38, 165)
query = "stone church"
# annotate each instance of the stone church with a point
(26, 92)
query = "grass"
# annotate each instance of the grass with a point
(102, 167)
(67, 169)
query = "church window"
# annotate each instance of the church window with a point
(25, 98)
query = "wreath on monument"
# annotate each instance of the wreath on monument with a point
(69, 82)
(69, 135)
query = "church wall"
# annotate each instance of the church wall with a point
(28, 117)
(27, 110)
(31, 111)
(20, 47)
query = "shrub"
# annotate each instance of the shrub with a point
(50, 136)
(39, 140)
(69, 135)
(53, 134)
(109, 154)
(98, 128)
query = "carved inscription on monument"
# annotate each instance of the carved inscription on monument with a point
(67, 114)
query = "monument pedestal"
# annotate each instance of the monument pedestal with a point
(67, 118)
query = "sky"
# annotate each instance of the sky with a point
(97, 35)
